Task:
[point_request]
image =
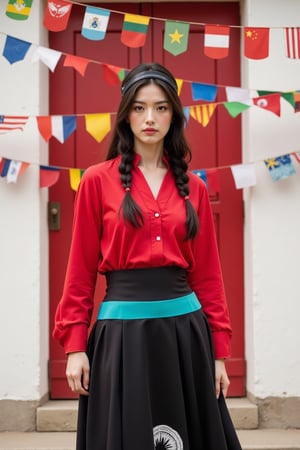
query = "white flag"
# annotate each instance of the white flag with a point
(48, 56)
(13, 171)
(235, 94)
(244, 175)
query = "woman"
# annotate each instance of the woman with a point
(152, 374)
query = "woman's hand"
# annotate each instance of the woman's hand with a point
(222, 380)
(78, 372)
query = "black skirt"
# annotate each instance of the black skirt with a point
(152, 379)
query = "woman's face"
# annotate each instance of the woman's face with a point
(150, 116)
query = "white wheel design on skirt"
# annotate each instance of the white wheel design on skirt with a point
(165, 438)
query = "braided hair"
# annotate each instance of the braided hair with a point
(175, 144)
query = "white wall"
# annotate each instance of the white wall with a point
(272, 241)
(23, 230)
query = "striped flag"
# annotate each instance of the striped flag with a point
(134, 30)
(216, 41)
(18, 9)
(203, 113)
(9, 123)
(292, 42)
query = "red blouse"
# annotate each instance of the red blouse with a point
(101, 242)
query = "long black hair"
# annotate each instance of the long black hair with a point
(175, 143)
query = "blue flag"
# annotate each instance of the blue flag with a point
(201, 173)
(15, 49)
(280, 167)
(95, 23)
(202, 91)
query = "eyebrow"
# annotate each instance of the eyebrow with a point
(156, 103)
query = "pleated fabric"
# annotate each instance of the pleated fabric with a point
(152, 380)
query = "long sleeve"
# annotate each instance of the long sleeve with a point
(74, 311)
(207, 281)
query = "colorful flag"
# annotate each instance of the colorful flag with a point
(202, 91)
(235, 108)
(201, 173)
(57, 15)
(49, 175)
(63, 127)
(15, 169)
(113, 74)
(269, 102)
(216, 41)
(45, 126)
(134, 30)
(203, 113)
(256, 42)
(292, 42)
(78, 63)
(9, 123)
(4, 167)
(176, 37)
(15, 49)
(243, 175)
(18, 9)
(95, 23)
(297, 101)
(179, 83)
(280, 167)
(98, 125)
(75, 177)
(48, 56)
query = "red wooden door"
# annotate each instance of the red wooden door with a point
(219, 144)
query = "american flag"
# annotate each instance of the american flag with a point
(292, 42)
(8, 123)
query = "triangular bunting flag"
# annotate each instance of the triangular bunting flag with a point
(48, 176)
(216, 41)
(292, 42)
(202, 113)
(280, 167)
(297, 101)
(15, 49)
(18, 9)
(269, 102)
(289, 97)
(98, 125)
(112, 74)
(57, 15)
(63, 127)
(10, 123)
(256, 42)
(243, 175)
(297, 156)
(202, 91)
(134, 30)
(48, 56)
(15, 169)
(179, 83)
(44, 124)
(95, 23)
(78, 63)
(75, 177)
(235, 108)
(176, 37)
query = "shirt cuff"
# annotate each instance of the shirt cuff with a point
(75, 338)
(221, 341)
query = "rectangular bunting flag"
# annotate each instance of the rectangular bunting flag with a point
(134, 30)
(280, 167)
(176, 37)
(202, 91)
(9, 123)
(216, 41)
(18, 9)
(95, 23)
(256, 42)
(57, 15)
(292, 42)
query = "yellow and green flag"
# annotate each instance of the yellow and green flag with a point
(176, 37)
(134, 30)
(18, 9)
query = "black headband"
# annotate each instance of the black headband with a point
(148, 74)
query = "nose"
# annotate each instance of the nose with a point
(149, 117)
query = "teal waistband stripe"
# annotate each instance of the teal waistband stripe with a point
(126, 310)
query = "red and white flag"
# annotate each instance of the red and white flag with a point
(216, 41)
(9, 123)
(57, 15)
(292, 42)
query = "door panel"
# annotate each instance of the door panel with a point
(219, 144)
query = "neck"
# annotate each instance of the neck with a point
(151, 158)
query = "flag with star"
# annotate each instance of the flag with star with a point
(256, 42)
(18, 9)
(280, 167)
(176, 37)
(134, 31)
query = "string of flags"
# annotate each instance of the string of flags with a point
(176, 33)
(244, 176)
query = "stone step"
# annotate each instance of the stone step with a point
(61, 415)
(250, 439)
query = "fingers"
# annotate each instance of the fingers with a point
(77, 373)
(221, 381)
